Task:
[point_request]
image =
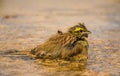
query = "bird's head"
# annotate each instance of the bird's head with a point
(79, 31)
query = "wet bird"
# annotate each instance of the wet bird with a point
(64, 45)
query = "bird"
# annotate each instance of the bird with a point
(65, 45)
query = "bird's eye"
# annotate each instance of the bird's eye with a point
(81, 30)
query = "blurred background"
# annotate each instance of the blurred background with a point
(24, 24)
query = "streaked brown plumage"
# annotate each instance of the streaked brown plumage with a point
(64, 45)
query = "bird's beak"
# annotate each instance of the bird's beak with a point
(86, 33)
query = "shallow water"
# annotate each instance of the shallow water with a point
(25, 24)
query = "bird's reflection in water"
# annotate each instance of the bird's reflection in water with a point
(63, 65)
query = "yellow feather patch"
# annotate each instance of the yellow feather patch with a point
(78, 29)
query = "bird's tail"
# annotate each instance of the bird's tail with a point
(16, 53)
